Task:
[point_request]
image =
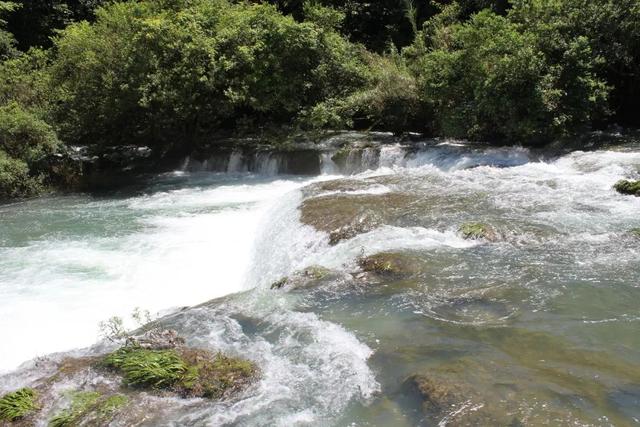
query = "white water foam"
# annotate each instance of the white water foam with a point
(192, 245)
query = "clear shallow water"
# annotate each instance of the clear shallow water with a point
(540, 328)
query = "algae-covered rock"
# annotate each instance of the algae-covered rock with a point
(635, 232)
(89, 408)
(18, 404)
(306, 278)
(436, 397)
(344, 216)
(628, 187)
(478, 230)
(187, 372)
(391, 264)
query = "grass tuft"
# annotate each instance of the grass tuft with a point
(148, 368)
(17, 405)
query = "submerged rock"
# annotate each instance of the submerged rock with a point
(635, 232)
(89, 408)
(306, 278)
(18, 404)
(391, 264)
(478, 230)
(628, 187)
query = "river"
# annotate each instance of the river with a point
(539, 327)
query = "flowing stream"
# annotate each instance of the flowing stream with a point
(540, 327)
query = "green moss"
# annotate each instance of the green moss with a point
(189, 372)
(477, 230)
(214, 376)
(111, 405)
(81, 403)
(628, 187)
(18, 404)
(88, 405)
(148, 368)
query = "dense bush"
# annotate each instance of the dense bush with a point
(488, 78)
(149, 73)
(25, 141)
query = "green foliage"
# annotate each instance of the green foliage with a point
(24, 136)
(488, 79)
(194, 373)
(628, 187)
(17, 405)
(148, 368)
(152, 74)
(25, 142)
(7, 40)
(15, 179)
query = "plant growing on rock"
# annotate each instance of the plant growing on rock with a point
(89, 405)
(185, 371)
(628, 187)
(18, 404)
(478, 230)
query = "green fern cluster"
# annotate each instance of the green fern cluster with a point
(148, 368)
(18, 404)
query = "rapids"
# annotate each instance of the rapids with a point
(539, 328)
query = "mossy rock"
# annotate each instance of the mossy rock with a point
(390, 265)
(635, 232)
(18, 404)
(187, 372)
(628, 187)
(477, 231)
(308, 277)
(89, 408)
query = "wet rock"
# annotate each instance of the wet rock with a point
(437, 397)
(346, 216)
(89, 408)
(307, 278)
(635, 232)
(157, 339)
(477, 231)
(628, 187)
(391, 265)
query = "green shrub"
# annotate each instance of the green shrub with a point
(149, 73)
(490, 79)
(24, 136)
(16, 405)
(15, 179)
